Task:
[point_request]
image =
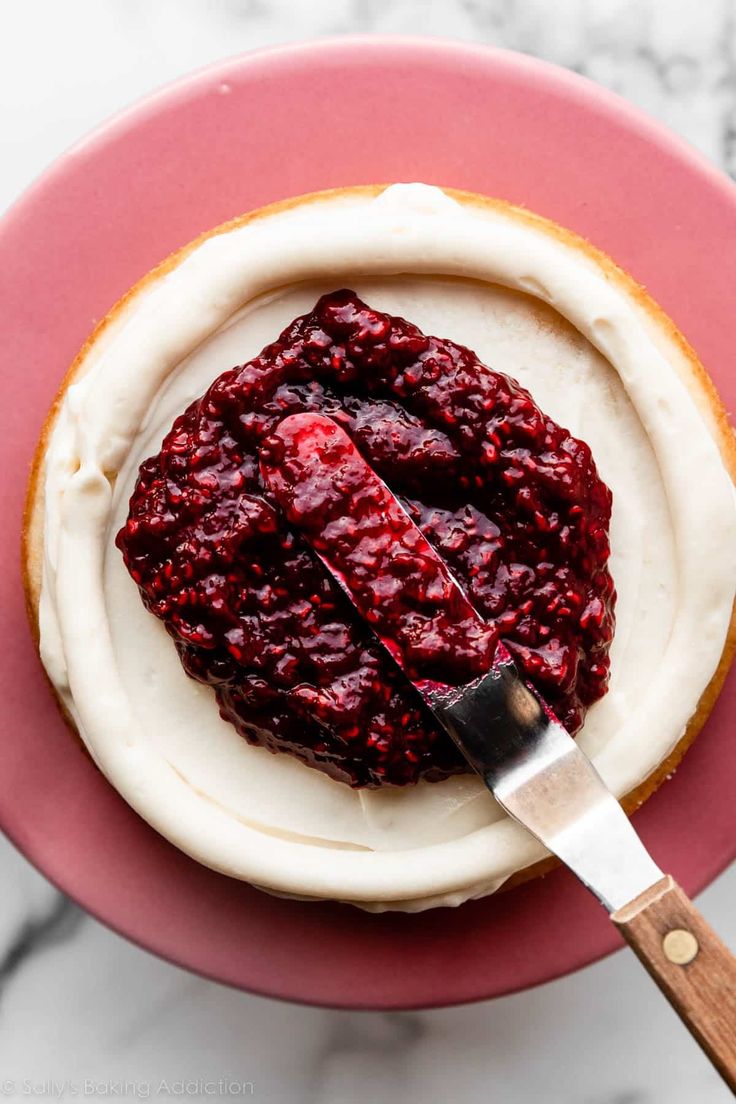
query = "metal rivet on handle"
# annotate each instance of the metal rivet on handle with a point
(680, 946)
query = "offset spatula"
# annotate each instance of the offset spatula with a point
(531, 765)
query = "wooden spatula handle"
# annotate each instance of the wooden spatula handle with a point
(690, 964)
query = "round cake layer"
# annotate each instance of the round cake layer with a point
(596, 355)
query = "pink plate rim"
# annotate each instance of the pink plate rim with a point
(236, 135)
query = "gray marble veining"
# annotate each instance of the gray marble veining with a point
(82, 1009)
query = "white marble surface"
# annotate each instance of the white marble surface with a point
(84, 1014)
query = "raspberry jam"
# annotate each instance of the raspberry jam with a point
(511, 502)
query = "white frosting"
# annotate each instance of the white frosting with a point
(157, 735)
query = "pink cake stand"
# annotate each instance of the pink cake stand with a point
(243, 133)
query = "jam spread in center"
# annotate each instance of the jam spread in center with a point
(508, 499)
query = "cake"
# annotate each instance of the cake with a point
(605, 373)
